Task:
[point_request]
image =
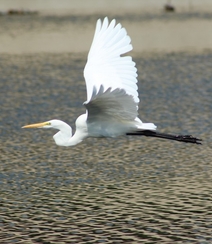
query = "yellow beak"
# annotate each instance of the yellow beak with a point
(38, 125)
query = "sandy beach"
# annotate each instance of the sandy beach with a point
(151, 29)
(105, 6)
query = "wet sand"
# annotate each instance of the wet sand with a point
(125, 190)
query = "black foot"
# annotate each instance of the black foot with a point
(188, 139)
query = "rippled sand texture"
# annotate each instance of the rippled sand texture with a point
(126, 190)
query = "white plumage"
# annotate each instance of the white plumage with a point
(111, 82)
(112, 97)
(105, 66)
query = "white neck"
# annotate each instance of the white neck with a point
(64, 136)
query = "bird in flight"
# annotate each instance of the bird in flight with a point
(112, 97)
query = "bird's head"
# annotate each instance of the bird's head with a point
(62, 137)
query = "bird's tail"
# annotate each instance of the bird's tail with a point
(147, 126)
(182, 138)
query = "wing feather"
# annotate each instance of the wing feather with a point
(105, 66)
(111, 82)
(110, 113)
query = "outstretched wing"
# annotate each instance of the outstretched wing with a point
(111, 105)
(105, 66)
(110, 113)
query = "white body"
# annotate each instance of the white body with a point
(112, 97)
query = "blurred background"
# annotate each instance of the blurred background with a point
(125, 190)
(154, 25)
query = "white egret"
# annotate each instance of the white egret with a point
(112, 97)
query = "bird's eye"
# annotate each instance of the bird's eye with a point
(48, 123)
